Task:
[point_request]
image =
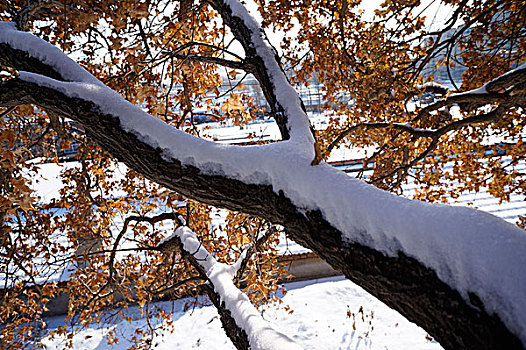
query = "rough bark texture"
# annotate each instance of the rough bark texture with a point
(402, 282)
(237, 335)
(255, 62)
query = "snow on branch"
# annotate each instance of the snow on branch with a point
(506, 90)
(507, 82)
(261, 335)
(209, 157)
(281, 95)
(472, 252)
(46, 53)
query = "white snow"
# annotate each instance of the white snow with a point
(521, 67)
(319, 321)
(261, 335)
(482, 89)
(88, 87)
(298, 123)
(470, 250)
(45, 52)
(478, 91)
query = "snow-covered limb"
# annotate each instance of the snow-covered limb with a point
(259, 332)
(349, 223)
(433, 87)
(283, 99)
(236, 267)
(505, 81)
(176, 144)
(66, 68)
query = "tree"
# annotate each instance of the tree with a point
(454, 271)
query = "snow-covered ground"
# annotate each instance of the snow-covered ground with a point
(324, 312)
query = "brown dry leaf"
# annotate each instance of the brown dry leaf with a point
(233, 104)
(141, 11)
(233, 74)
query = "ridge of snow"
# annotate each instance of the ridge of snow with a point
(260, 333)
(478, 91)
(298, 123)
(482, 89)
(46, 53)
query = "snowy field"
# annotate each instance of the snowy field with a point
(324, 312)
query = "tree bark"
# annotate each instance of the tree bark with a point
(235, 333)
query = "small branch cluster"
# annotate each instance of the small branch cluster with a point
(502, 93)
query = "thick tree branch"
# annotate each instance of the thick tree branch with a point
(401, 282)
(508, 80)
(508, 88)
(288, 110)
(24, 62)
